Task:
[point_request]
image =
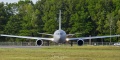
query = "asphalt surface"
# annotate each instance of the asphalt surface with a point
(22, 46)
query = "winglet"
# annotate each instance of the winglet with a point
(60, 20)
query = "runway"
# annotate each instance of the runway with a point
(22, 46)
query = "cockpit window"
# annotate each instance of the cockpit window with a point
(59, 33)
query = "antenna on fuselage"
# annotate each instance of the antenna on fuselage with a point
(59, 19)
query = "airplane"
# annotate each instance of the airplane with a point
(59, 36)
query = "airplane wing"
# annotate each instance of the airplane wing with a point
(27, 37)
(93, 37)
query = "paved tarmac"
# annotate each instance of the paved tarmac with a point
(22, 46)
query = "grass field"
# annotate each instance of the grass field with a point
(61, 53)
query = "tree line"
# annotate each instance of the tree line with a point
(87, 17)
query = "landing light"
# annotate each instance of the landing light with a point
(52, 39)
(67, 39)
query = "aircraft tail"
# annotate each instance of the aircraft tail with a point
(60, 20)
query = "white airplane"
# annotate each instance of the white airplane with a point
(59, 36)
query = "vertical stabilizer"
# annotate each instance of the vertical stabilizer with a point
(60, 20)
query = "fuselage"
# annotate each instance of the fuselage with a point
(59, 36)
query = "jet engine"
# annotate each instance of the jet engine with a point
(39, 42)
(80, 42)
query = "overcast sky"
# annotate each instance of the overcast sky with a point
(12, 1)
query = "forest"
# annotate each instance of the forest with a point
(87, 17)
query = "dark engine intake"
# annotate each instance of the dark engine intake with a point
(39, 42)
(80, 42)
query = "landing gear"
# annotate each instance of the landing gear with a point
(71, 43)
(48, 43)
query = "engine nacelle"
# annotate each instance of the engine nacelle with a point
(80, 42)
(39, 42)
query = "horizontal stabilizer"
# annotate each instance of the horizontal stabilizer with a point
(73, 34)
(45, 34)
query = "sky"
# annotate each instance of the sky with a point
(12, 1)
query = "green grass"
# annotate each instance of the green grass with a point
(61, 53)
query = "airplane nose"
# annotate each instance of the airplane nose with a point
(58, 37)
